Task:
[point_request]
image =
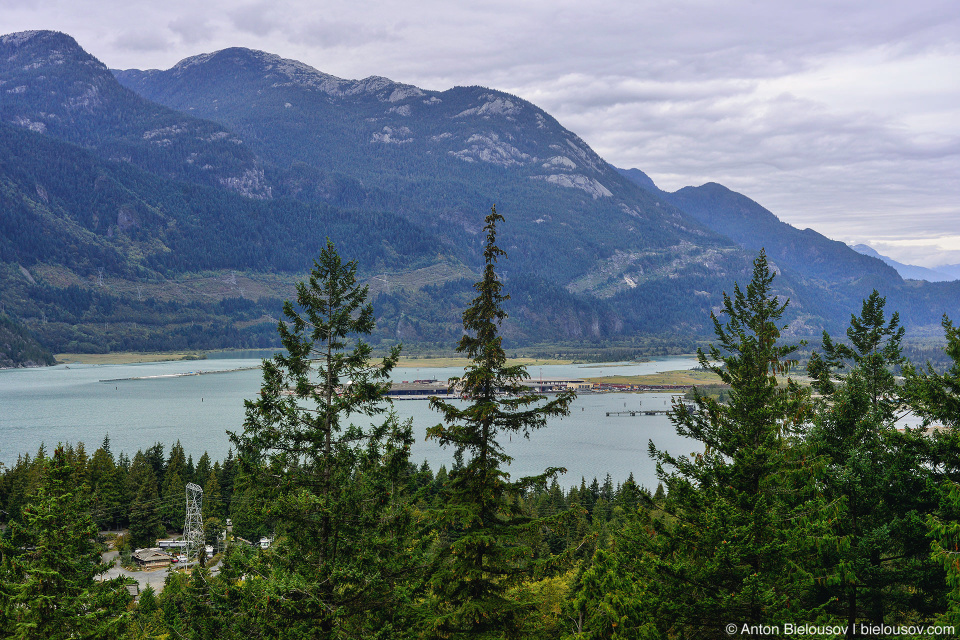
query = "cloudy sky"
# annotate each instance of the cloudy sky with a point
(842, 116)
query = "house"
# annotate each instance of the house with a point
(152, 558)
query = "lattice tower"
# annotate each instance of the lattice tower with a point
(193, 527)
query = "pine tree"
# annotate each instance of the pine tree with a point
(50, 563)
(482, 549)
(333, 489)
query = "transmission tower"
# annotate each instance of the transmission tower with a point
(193, 527)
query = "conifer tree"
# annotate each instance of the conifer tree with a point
(876, 565)
(482, 550)
(726, 544)
(936, 398)
(332, 489)
(173, 507)
(145, 517)
(50, 564)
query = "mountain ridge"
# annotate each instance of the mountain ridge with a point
(911, 271)
(400, 176)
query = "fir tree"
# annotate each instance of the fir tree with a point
(145, 518)
(333, 489)
(50, 564)
(876, 566)
(482, 533)
(726, 544)
(936, 398)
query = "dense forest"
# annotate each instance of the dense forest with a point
(807, 507)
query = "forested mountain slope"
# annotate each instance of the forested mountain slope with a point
(128, 224)
(18, 348)
(52, 86)
(447, 156)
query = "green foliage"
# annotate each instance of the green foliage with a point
(145, 512)
(945, 532)
(481, 548)
(18, 347)
(874, 562)
(332, 489)
(936, 396)
(50, 565)
(730, 542)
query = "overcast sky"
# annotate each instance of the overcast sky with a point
(840, 116)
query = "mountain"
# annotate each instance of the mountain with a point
(101, 255)
(176, 209)
(52, 86)
(848, 276)
(446, 156)
(907, 271)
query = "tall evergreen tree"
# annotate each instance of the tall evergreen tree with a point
(483, 550)
(173, 506)
(107, 498)
(333, 489)
(725, 545)
(877, 568)
(50, 564)
(145, 516)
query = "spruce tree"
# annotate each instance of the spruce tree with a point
(482, 534)
(332, 489)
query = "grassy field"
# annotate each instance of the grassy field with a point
(125, 357)
(697, 378)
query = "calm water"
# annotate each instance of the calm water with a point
(71, 403)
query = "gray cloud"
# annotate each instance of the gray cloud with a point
(332, 33)
(192, 30)
(141, 41)
(258, 19)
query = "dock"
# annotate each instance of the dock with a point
(632, 413)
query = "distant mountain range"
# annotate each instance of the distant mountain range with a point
(944, 273)
(176, 208)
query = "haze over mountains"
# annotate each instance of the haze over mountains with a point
(173, 209)
(947, 272)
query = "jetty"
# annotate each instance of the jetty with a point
(185, 374)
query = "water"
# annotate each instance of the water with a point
(73, 403)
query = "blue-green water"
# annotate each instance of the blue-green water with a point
(72, 403)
